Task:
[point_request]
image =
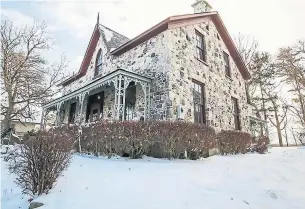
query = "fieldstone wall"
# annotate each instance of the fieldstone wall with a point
(150, 59)
(218, 87)
(170, 60)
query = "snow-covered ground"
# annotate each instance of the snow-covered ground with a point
(275, 180)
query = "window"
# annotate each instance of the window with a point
(130, 101)
(199, 102)
(200, 47)
(98, 63)
(227, 64)
(72, 113)
(236, 114)
(218, 36)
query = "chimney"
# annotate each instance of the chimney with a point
(201, 6)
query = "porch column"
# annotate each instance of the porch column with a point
(146, 91)
(57, 119)
(124, 94)
(81, 103)
(42, 121)
(147, 102)
(119, 105)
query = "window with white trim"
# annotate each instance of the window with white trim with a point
(98, 63)
(200, 47)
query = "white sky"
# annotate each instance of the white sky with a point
(274, 23)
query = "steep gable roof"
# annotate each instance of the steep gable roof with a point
(111, 38)
(118, 44)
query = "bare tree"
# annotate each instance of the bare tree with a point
(248, 48)
(277, 111)
(262, 78)
(285, 133)
(291, 65)
(27, 79)
(294, 137)
(298, 136)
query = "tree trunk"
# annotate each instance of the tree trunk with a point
(6, 122)
(278, 128)
(9, 111)
(265, 113)
(302, 104)
(286, 136)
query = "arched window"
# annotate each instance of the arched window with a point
(98, 63)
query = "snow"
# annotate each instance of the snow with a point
(108, 34)
(274, 180)
(11, 196)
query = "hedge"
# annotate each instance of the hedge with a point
(233, 142)
(160, 139)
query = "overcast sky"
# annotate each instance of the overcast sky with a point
(274, 23)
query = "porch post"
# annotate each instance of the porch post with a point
(144, 87)
(115, 83)
(57, 120)
(119, 107)
(119, 92)
(42, 121)
(124, 94)
(147, 102)
(81, 99)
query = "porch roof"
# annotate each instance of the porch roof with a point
(257, 119)
(97, 82)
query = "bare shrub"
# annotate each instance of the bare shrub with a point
(262, 145)
(233, 142)
(41, 159)
(161, 139)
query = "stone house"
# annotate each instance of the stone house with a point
(184, 68)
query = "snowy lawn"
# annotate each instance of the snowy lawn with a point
(275, 180)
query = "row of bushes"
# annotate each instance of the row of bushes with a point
(44, 155)
(160, 139)
(135, 139)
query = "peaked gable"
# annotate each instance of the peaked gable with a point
(184, 20)
(112, 40)
(117, 44)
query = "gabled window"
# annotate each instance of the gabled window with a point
(199, 102)
(227, 64)
(98, 63)
(236, 114)
(200, 47)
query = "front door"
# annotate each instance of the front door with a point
(95, 107)
(95, 111)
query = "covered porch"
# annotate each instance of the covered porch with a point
(258, 127)
(120, 95)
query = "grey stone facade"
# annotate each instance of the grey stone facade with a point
(150, 59)
(218, 87)
(169, 59)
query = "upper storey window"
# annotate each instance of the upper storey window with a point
(98, 63)
(200, 47)
(227, 64)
